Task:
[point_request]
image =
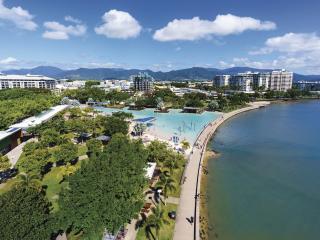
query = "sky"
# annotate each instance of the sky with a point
(160, 35)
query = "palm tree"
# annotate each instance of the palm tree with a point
(167, 183)
(185, 144)
(171, 163)
(29, 180)
(156, 221)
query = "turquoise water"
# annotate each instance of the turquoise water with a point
(184, 125)
(265, 185)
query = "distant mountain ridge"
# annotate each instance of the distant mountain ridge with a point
(194, 73)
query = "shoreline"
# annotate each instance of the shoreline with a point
(209, 154)
(190, 190)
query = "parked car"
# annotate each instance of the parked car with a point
(10, 173)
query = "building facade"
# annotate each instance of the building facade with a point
(221, 80)
(143, 82)
(26, 81)
(250, 81)
(281, 80)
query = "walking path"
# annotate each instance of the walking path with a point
(15, 153)
(188, 209)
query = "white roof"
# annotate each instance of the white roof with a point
(150, 169)
(42, 117)
(24, 77)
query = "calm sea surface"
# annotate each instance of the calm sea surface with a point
(265, 185)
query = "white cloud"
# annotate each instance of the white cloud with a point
(196, 28)
(296, 51)
(17, 15)
(72, 19)
(8, 61)
(291, 43)
(58, 31)
(177, 49)
(119, 24)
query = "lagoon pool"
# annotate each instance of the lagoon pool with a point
(175, 123)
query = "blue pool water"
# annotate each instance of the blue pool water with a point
(265, 185)
(184, 125)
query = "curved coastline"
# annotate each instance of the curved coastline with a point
(189, 205)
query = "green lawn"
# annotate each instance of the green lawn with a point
(82, 149)
(4, 187)
(52, 180)
(166, 232)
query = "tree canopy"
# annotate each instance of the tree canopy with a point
(107, 191)
(24, 214)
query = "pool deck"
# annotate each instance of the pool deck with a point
(190, 189)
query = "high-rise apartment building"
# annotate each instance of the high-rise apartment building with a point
(250, 81)
(221, 80)
(143, 82)
(281, 80)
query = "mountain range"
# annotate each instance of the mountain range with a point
(194, 73)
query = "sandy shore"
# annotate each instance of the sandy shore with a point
(190, 191)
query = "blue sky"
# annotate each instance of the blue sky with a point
(160, 35)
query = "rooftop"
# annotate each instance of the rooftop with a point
(24, 77)
(42, 117)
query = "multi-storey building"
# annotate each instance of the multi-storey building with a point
(143, 82)
(243, 81)
(281, 80)
(247, 82)
(26, 81)
(262, 81)
(221, 80)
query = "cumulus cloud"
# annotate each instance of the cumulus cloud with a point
(119, 24)
(18, 16)
(196, 28)
(58, 31)
(299, 51)
(291, 43)
(72, 19)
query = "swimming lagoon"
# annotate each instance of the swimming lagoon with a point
(174, 123)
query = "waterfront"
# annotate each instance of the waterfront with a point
(265, 183)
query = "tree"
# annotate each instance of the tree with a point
(157, 152)
(106, 191)
(94, 146)
(66, 171)
(213, 105)
(25, 214)
(4, 163)
(167, 183)
(113, 125)
(156, 220)
(139, 128)
(29, 180)
(50, 138)
(65, 153)
(171, 162)
(185, 144)
(34, 162)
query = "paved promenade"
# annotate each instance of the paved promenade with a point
(189, 208)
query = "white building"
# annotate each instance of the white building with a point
(26, 81)
(281, 80)
(250, 81)
(221, 80)
(243, 81)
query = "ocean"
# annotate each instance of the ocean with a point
(265, 183)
